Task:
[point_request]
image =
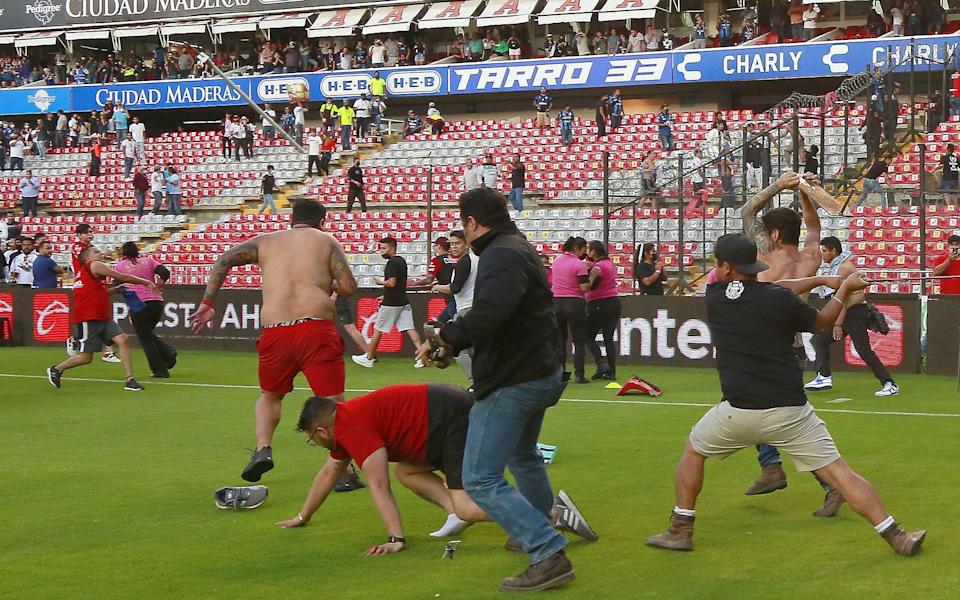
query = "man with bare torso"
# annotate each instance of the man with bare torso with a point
(777, 235)
(300, 269)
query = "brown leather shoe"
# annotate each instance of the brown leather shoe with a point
(513, 546)
(771, 479)
(831, 504)
(678, 537)
(904, 543)
(546, 574)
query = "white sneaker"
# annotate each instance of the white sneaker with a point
(362, 360)
(419, 364)
(889, 389)
(110, 357)
(819, 383)
(71, 346)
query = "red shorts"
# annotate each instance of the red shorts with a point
(313, 347)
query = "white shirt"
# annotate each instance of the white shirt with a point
(810, 18)
(129, 148)
(138, 131)
(313, 142)
(156, 182)
(465, 297)
(273, 115)
(21, 270)
(62, 123)
(471, 178)
(896, 15)
(377, 54)
(6, 270)
(362, 107)
(238, 131)
(298, 115)
(16, 149)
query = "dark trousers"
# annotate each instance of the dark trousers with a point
(159, 353)
(572, 320)
(601, 127)
(603, 316)
(313, 159)
(29, 204)
(225, 145)
(95, 166)
(356, 194)
(854, 325)
(324, 168)
(449, 311)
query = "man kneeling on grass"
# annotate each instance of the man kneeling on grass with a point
(422, 428)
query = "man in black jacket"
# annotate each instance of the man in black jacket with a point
(517, 376)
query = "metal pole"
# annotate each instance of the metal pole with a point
(429, 212)
(203, 57)
(743, 162)
(944, 95)
(913, 98)
(823, 143)
(846, 141)
(606, 198)
(797, 144)
(923, 216)
(680, 279)
(633, 280)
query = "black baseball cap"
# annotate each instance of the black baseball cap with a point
(740, 253)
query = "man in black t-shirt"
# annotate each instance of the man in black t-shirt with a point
(394, 307)
(355, 192)
(753, 324)
(871, 183)
(950, 168)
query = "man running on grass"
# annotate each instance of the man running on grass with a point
(92, 317)
(753, 325)
(300, 269)
(422, 428)
(84, 240)
(777, 235)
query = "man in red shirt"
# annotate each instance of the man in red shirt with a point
(84, 239)
(422, 428)
(92, 317)
(327, 149)
(948, 264)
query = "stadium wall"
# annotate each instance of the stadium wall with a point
(664, 330)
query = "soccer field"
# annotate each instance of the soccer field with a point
(109, 495)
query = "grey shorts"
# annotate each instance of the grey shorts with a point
(388, 316)
(92, 336)
(796, 430)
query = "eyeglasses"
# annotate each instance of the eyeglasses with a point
(310, 440)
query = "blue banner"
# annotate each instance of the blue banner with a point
(35, 100)
(148, 95)
(821, 59)
(561, 73)
(403, 81)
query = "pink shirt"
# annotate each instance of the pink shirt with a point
(607, 288)
(568, 272)
(144, 267)
(712, 275)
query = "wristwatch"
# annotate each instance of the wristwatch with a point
(394, 539)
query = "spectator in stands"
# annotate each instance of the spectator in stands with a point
(292, 59)
(266, 125)
(725, 30)
(362, 107)
(377, 85)
(871, 127)
(472, 175)
(60, 135)
(45, 269)
(21, 267)
(914, 18)
(514, 48)
(141, 185)
(328, 146)
(491, 174)
(360, 55)
(346, 114)
(238, 134)
(729, 200)
(268, 186)
(603, 309)
(157, 187)
(935, 111)
(434, 119)
(667, 40)
(11, 252)
(96, 151)
(413, 124)
(355, 189)
(139, 133)
(753, 157)
(664, 128)
(377, 109)
(648, 270)
(328, 115)
(403, 58)
(582, 43)
(891, 114)
(935, 16)
(812, 163)
(121, 123)
(378, 55)
(613, 42)
(699, 32)
(948, 265)
(635, 41)
(174, 192)
(896, 19)
(565, 121)
(949, 167)
(542, 103)
(17, 148)
(299, 121)
(810, 15)
(249, 129)
(226, 135)
(550, 48)
(4, 147)
(871, 183)
(313, 152)
(651, 39)
(795, 13)
(603, 109)
(160, 356)
(129, 150)
(38, 135)
(29, 193)
(518, 173)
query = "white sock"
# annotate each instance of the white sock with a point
(884, 525)
(452, 526)
(683, 512)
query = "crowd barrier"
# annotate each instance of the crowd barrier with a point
(654, 330)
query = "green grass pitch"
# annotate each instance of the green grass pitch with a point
(108, 494)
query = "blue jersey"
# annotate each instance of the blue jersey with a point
(664, 120)
(616, 106)
(543, 102)
(565, 119)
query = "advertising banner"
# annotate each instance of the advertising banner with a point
(653, 330)
(943, 335)
(36, 100)
(153, 95)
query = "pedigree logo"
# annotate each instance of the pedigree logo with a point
(43, 10)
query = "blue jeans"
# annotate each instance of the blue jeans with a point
(267, 201)
(345, 131)
(666, 139)
(516, 198)
(157, 202)
(449, 311)
(141, 201)
(503, 431)
(268, 132)
(174, 204)
(127, 166)
(121, 135)
(870, 186)
(566, 134)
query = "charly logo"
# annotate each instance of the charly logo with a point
(54, 315)
(42, 100)
(43, 10)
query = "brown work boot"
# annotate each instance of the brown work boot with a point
(771, 479)
(678, 537)
(904, 543)
(550, 573)
(513, 546)
(832, 502)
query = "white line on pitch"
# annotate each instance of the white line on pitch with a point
(578, 400)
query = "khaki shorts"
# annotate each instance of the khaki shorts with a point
(796, 430)
(543, 119)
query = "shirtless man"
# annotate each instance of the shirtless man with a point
(777, 235)
(301, 268)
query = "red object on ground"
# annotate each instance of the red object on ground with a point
(641, 385)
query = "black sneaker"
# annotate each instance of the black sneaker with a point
(163, 375)
(348, 483)
(53, 376)
(132, 385)
(260, 463)
(172, 361)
